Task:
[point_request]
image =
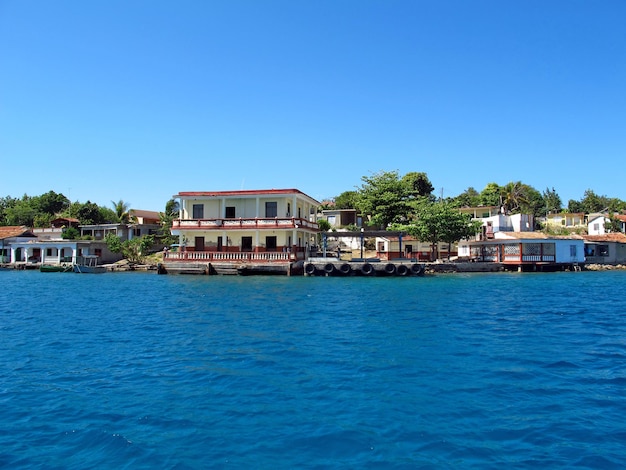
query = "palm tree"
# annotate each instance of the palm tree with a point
(121, 209)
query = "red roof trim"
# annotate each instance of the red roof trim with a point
(243, 192)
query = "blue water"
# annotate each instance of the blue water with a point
(136, 370)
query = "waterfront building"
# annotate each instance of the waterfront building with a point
(529, 249)
(273, 225)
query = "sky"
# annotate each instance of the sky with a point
(137, 100)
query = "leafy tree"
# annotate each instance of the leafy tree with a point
(614, 224)
(490, 195)
(6, 203)
(134, 250)
(383, 197)
(386, 198)
(533, 201)
(121, 210)
(552, 201)
(591, 202)
(418, 185)
(574, 206)
(513, 197)
(51, 203)
(347, 200)
(440, 222)
(71, 233)
(324, 225)
(468, 198)
(166, 218)
(23, 212)
(88, 213)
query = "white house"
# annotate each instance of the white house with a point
(529, 249)
(273, 224)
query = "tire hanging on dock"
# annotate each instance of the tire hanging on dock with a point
(390, 269)
(329, 268)
(402, 270)
(367, 269)
(345, 268)
(309, 268)
(416, 269)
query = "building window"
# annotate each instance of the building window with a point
(48, 251)
(603, 250)
(229, 212)
(246, 243)
(572, 251)
(596, 227)
(198, 211)
(271, 209)
(270, 243)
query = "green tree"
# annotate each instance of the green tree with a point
(417, 185)
(6, 203)
(133, 250)
(614, 225)
(324, 225)
(383, 197)
(440, 222)
(490, 195)
(166, 219)
(574, 206)
(51, 203)
(121, 210)
(23, 212)
(71, 233)
(552, 201)
(468, 198)
(347, 200)
(591, 202)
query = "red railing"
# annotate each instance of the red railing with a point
(232, 257)
(242, 223)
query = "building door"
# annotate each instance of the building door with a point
(219, 243)
(246, 243)
(271, 209)
(270, 243)
(199, 244)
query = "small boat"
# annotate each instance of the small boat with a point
(89, 265)
(55, 268)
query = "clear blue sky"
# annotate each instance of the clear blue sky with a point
(137, 100)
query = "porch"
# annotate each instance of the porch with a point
(514, 253)
(232, 257)
(252, 223)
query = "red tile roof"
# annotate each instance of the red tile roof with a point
(243, 192)
(12, 231)
(607, 237)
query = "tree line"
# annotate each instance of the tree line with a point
(406, 203)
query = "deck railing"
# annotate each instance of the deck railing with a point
(244, 223)
(231, 257)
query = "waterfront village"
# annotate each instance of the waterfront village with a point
(277, 231)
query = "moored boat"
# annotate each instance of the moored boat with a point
(55, 268)
(88, 265)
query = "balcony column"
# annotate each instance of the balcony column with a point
(257, 213)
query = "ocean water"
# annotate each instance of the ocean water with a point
(136, 370)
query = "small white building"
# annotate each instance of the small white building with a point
(534, 249)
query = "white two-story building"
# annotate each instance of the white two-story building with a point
(245, 225)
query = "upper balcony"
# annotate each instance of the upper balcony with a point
(242, 223)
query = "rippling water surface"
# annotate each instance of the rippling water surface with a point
(135, 370)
